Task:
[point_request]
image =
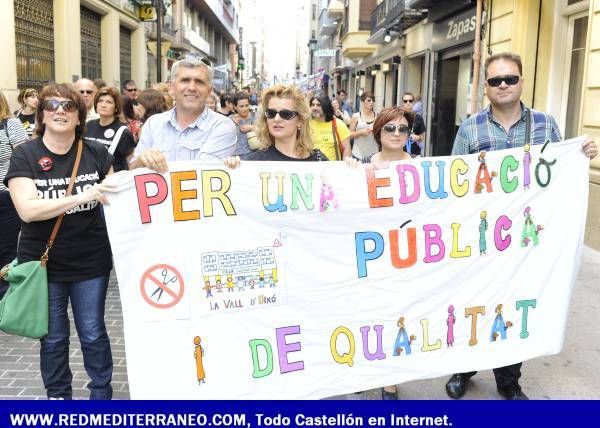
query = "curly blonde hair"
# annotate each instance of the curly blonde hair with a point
(304, 144)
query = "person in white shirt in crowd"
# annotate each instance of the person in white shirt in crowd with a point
(87, 90)
(361, 128)
(189, 130)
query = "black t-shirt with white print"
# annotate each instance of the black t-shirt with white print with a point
(28, 121)
(81, 250)
(105, 134)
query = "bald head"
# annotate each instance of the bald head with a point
(87, 90)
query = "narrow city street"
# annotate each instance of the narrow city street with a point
(572, 374)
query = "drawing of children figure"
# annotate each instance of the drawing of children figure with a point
(499, 327)
(328, 201)
(450, 323)
(229, 283)
(483, 225)
(208, 288)
(198, 354)
(526, 166)
(402, 339)
(530, 230)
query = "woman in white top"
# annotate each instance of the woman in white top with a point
(361, 128)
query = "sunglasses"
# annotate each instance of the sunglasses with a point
(407, 101)
(494, 82)
(391, 129)
(131, 89)
(285, 114)
(53, 105)
(89, 92)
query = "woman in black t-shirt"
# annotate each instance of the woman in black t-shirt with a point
(108, 130)
(80, 260)
(28, 98)
(283, 128)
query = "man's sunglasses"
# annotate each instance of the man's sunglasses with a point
(131, 89)
(407, 101)
(494, 82)
(89, 92)
(53, 105)
(391, 129)
(285, 114)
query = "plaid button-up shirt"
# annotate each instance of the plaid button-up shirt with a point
(481, 132)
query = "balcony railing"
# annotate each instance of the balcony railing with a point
(385, 13)
(394, 14)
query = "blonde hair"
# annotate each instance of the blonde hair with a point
(4, 108)
(304, 144)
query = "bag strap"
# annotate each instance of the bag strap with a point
(339, 150)
(59, 220)
(115, 140)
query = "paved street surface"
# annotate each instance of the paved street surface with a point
(573, 374)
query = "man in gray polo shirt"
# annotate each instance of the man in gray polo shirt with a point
(189, 131)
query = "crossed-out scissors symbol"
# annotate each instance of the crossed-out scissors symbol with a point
(160, 290)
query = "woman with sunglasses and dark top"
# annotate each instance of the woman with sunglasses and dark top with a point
(80, 260)
(283, 128)
(108, 129)
(416, 141)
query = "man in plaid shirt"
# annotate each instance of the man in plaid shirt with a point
(503, 125)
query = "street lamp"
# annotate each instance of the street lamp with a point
(312, 46)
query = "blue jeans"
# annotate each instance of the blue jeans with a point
(87, 301)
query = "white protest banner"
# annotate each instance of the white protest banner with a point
(308, 280)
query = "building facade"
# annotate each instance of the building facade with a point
(202, 28)
(64, 40)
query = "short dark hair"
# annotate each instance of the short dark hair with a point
(340, 91)
(225, 98)
(506, 56)
(366, 95)
(386, 115)
(326, 106)
(125, 83)
(99, 83)
(114, 94)
(241, 95)
(63, 90)
(153, 102)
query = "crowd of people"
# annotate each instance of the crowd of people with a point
(110, 130)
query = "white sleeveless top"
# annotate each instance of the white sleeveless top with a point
(364, 146)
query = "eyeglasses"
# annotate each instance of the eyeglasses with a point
(408, 101)
(285, 114)
(53, 105)
(510, 80)
(88, 91)
(131, 89)
(391, 129)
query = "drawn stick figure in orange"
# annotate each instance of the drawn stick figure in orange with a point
(198, 354)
